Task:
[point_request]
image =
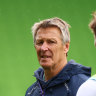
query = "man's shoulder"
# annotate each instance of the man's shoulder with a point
(77, 80)
(80, 78)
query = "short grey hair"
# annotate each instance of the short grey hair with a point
(57, 22)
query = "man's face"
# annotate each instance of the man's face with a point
(49, 47)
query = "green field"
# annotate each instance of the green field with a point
(18, 59)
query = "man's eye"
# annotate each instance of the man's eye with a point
(39, 42)
(51, 42)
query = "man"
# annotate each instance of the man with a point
(88, 88)
(57, 76)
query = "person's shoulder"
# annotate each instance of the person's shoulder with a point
(31, 88)
(80, 77)
(77, 80)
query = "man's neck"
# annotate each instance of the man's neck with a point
(51, 72)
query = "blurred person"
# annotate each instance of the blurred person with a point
(88, 88)
(92, 26)
(56, 76)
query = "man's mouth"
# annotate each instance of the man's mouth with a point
(45, 56)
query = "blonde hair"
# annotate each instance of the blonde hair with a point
(57, 22)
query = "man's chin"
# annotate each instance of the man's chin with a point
(45, 65)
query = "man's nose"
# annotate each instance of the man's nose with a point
(44, 47)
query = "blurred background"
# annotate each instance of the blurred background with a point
(18, 59)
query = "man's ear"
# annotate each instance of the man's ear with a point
(66, 47)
